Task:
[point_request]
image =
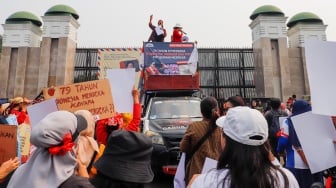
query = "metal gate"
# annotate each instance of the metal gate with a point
(224, 72)
(86, 68)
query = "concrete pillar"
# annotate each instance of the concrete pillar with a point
(59, 44)
(4, 67)
(22, 36)
(272, 78)
(302, 27)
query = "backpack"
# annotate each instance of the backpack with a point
(274, 128)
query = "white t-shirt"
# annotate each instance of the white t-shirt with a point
(214, 178)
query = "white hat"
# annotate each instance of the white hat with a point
(178, 26)
(244, 125)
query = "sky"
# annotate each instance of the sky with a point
(212, 23)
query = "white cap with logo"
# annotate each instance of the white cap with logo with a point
(244, 125)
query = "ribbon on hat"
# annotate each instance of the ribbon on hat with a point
(65, 146)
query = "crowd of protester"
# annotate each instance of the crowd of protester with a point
(73, 150)
(251, 154)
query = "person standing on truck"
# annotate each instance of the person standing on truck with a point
(158, 32)
(207, 128)
(177, 33)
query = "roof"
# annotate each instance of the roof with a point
(304, 17)
(61, 10)
(23, 16)
(266, 10)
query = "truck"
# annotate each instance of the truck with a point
(170, 103)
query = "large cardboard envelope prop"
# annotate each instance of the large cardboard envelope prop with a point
(95, 96)
(8, 140)
(24, 133)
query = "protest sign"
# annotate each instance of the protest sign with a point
(8, 140)
(39, 110)
(122, 81)
(316, 134)
(119, 58)
(94, 96)
(320, 61)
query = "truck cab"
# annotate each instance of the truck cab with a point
(169, 97)
(165, 121)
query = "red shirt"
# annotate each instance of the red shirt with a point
(20, 115)
(177, 35)
(101, 131)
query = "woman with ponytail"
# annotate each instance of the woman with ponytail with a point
(207, 129)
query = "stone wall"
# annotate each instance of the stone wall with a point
(298, 72)
(27, 70)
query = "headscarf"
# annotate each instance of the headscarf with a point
(53, 160)
(86, 145)
(299, 107)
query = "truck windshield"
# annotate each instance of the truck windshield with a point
(171, 109)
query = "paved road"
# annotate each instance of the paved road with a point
(162, 182)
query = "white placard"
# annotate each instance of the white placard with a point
(159, 30)
(122, 82)
(39, 110)
(321, 66)
(281, 120)
(179, 181)
(316, 134)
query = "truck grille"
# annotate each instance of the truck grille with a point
(171, 142)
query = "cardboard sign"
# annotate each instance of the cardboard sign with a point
(94, 96)
(8, 140)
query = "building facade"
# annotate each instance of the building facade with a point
(33, 57)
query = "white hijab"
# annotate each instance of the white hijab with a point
(43, 169)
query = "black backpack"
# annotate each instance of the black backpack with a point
(274, 128)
